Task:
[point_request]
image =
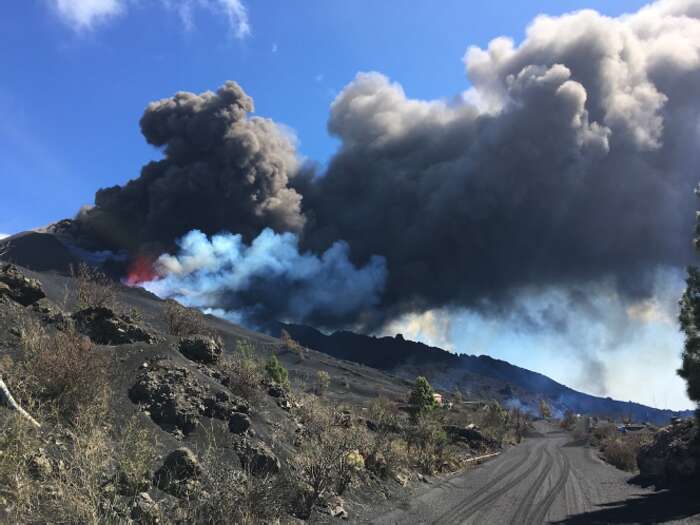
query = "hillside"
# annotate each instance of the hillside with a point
(150, 418)
(478, 376)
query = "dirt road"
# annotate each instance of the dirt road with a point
(547, 478)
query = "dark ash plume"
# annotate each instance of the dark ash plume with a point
(222, 170)
(572, 159)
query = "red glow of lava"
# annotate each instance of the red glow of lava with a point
(140, 270)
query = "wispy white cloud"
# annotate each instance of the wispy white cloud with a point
(87, 14)
(238, 17)
(275, 48)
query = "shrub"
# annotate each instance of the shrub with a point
(386, 452)
(422, 399)
(545, 411)
(276, 371)
(428, 443)
(602, 433)
(135, 451)
(243, 371)
(494, 421)
(61, 368)
(329, 453)
(227, 495)
(323, 381)
(621, 450)
(289, 344)
(94, 288)
(184, 321)
(568, 421)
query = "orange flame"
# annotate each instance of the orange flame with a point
(141, 270)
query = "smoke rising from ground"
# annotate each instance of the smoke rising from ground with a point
(268, 279)
(568, 164)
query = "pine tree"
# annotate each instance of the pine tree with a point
(422, 398)
(689, 319)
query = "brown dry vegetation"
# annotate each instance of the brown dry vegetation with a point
(93, 288)
(619, 449)
(182, 321)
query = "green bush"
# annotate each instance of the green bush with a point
(422, 398)
(276, 371)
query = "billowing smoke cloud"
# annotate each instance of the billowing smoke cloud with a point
(269, 279)
(222, 170)
(572, 157)
(570, 161)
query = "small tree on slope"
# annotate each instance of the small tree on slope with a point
(422, 398)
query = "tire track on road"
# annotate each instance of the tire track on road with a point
(473, 504)
(526, 502)
(541, 510)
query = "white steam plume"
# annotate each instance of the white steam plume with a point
(268, 279)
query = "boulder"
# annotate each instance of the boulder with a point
(179, 473)
(106, 327)
(470, 435)
(335, 507)
(275, 390)
(673, 457)
(144, 510)
(238, 423)
(259, 459)
(222, 405)
(50, 314)
(176, 398)
(18, 287)
(201, 348)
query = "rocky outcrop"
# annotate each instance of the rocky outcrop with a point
(673, 456)
(470, 435)
(201, 348)
(18, 287)
(106, 327)
(179, 474)
(238, 423)
(259, 459)
(176, 398)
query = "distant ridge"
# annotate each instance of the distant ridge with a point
(478, 376)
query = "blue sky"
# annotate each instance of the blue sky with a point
(71, 94)
(74, 85)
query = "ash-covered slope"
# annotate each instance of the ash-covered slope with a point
(480, 376)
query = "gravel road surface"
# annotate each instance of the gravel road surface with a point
(548, 478)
